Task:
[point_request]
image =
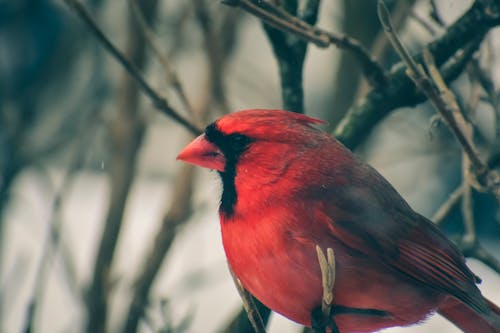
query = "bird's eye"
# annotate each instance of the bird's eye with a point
(239, 142)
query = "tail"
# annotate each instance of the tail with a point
(470, 321)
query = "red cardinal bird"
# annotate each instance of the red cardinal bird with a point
(288, 187)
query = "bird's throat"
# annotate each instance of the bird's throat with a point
(229, 195)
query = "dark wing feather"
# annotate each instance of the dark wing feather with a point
(439, 267)
(369, 216)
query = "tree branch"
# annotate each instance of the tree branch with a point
(218, 51)
(443, 100)
(445, 208)
(445, 103)
(170, 74)
(290, 52)
(178, 212)
(126, 133)
(251, 310)
(400, 91)
(158, 101)
(280, 19)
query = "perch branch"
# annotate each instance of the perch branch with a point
(249, 306)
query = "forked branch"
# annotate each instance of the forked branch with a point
(280, 19)
(158, 101)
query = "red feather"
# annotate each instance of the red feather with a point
(289, 187)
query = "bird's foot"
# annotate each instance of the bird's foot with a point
(322, 324)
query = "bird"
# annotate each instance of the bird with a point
(288, 187)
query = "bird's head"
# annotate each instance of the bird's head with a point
(253, 145)
(225, 140)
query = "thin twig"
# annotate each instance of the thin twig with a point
(474, 249)
(435, 15)
(463, 130)
(170, 74)
(284, 21)
(280, 19)
(126, 133)
(466, 33)
(158, 101)
(219, 38)
(487, 84)
(249, 306)
(467, 200)
(467, 206)
(385, 20)
(422, 21)
(53, 241)
(177, 214)
(448, 205)
(442, 102)
(445, 103)
(218, 44)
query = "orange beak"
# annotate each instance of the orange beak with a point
(203, 153)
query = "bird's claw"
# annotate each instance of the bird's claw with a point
(321, 324)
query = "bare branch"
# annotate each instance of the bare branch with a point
(290, 54)
(241, 324)
(53, 242)
(249, 306)
(442, 99)
(126, 132)
(445, 103)
(177, 214)
(423, 22)
(280, 19)
(468, 30)
(179, 208)
(158, 101)
(475, 250)
(467, 209)
(448, 205)
(170, 74)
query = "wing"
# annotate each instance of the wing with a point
(369, 216)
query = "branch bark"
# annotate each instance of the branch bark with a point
(178, 212)
(126, 134)
(219, 41)
(302, 27)
(445, 103)
(290, 53)
(158, 101)
(400, 91)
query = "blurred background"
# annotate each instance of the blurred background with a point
(102, 230)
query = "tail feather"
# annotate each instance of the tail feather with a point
(470, 321)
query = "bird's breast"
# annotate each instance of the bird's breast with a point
(281, 270)
(274, 257)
